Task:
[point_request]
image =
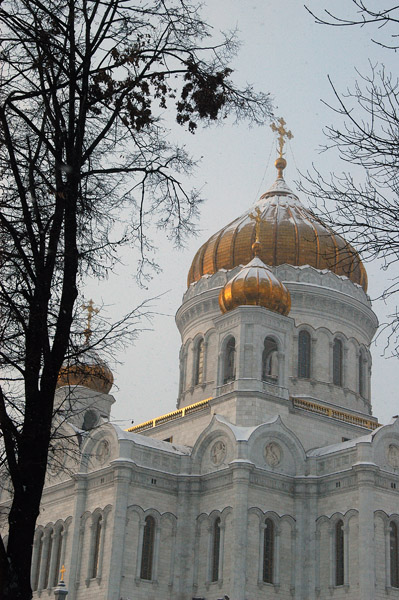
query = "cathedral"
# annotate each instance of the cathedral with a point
(272, 478)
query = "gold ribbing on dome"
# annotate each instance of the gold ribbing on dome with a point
(255, 284)
(281, 163)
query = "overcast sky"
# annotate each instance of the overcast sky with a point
(285, 53)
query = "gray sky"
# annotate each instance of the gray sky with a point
(285, 53)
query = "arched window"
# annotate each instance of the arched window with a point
(35, 584)
(268, 552)
(147, 554)
(361, 374)
(48, 559)
(199, 363)
(339, 553)
(229, 367)
(57, 550)
(337, 362)
(270, 361)
(96, 546)
(215, 550)
(304, 347)
(394, 554)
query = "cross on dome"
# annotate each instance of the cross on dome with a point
(90, 312)
(282, 134)
(281, 163)
(258, 220)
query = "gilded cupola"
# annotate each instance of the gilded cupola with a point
(255, 284)
(289, 234)
(87, 368)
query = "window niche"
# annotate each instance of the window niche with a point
(97, 531)
(270, 361)
(268, 551)
(338, 362)
(394, 554)
(229, 361)
(361, 375)
(339, 553)
(199, 362)
(147, 555)
(215, 550)
(304, 354)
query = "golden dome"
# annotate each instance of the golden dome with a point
(255, 285)
(91, 372)
(289, 234)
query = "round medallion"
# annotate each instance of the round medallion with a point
(103, 452)
(272, 454)
(218, 452)
(393, 456)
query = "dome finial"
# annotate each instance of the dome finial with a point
(258, 220)
(90, 311)
(281, 163)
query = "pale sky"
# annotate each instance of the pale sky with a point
(285, 53)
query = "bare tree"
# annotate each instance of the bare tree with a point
(365, 195)
(84, 87)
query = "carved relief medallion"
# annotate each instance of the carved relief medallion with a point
(218, 452)
(272, 454)
(103, 452)
(393, 456)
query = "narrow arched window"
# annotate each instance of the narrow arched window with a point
(57, 550)
(147, 555)
(199, 363)
(215, 550)
(394, 554)
(48, 559)
(337, 362)
(361, 374)
(268, 552)
(304, 347)
(339, 553)
(39, 553)
(270, 360)
(229, 370)
(96, 547)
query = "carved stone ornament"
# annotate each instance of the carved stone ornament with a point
(393, 456)
(218, 452)
(103, 452)
(273, 454)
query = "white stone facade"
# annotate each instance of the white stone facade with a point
(279, 484)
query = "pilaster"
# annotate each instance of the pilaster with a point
(80, 504)
(122, 480)
(241, 473)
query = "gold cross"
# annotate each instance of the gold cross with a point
(282, 134)
(258, 220)
(62, 573)
(90, 311)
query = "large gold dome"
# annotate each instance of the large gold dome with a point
(289, 234)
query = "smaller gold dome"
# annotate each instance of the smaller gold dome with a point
(255, 285)
(90, 372)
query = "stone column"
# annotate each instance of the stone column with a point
(118, 527)
(80, 505)
(185, 577)
(241, 473)
(365, 479)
